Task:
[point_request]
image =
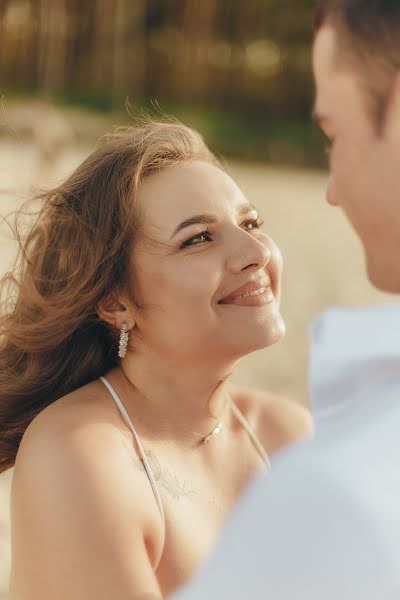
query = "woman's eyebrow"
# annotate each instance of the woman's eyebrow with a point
(208, 219)
(243, 209)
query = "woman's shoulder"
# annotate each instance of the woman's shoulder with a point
(81, 422)
(83, 427)
(77, 446)
(276, 419)
(89, 407)
(77, 486)
(80, 434)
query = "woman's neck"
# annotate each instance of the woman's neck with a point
(179, 405)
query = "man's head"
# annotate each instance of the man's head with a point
(357, 72)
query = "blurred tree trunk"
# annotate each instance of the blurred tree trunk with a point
(119, 49)
(52, 44)
(129, 50)
(198, 31)
(27, 66)
(79, 68)
(4, 4)
(239, 34)
(102, 45)
(119, 52)
(3, 9)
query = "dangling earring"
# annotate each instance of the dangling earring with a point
(123, 340)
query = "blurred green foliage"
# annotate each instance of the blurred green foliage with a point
(238, 71)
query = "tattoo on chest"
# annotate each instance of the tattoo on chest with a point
(165, 478)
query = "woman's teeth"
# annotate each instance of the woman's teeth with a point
(254, 293)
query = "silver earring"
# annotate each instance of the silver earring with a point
(123, 340)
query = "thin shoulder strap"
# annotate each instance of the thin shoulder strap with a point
(254, 438)
(140, 450)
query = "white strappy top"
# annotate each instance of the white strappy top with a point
(259, 447)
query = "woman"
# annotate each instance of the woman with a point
(144, 280)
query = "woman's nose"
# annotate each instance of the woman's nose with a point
(248, 251)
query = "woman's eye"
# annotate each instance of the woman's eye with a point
(253, 224)
(205, 236)
(202, 237)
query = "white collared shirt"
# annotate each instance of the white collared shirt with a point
(325, 523)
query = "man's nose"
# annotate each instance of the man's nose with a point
(330, 194)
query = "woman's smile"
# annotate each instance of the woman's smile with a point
(259, 297)
(254, 293)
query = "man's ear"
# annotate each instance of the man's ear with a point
(392, 118)
(116, 310)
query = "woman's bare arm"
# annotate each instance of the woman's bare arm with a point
(82, 518)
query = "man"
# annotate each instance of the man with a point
(325, 524)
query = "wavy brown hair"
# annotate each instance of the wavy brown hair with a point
(75, 253)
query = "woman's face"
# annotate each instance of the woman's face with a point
(200, 243)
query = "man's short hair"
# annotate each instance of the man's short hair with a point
(368, 36)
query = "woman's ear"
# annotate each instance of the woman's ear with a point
(116, 310)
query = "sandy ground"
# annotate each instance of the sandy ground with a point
(323, 260)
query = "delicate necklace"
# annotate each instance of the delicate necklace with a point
(216, 431)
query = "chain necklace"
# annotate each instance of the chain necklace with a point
(216, 431)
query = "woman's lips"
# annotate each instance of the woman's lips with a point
(251, 288)
(260, 297)
(255, 297)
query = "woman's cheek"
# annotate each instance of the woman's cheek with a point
(274, 268)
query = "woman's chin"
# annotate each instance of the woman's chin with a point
(263, 337)
(272, 334)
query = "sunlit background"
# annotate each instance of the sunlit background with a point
(238, 71)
